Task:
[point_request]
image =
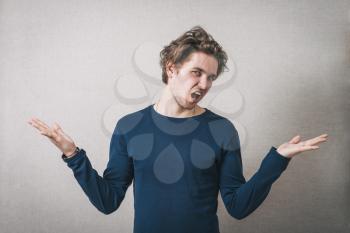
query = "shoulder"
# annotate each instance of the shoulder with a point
(129, 121)
(223, 131)
(216, 120)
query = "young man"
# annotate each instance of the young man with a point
(178, 154)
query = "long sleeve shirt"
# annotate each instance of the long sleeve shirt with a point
(177, 167)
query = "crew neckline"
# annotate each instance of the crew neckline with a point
(178, 118)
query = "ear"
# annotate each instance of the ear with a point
(171, 70)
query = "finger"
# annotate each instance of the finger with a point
(306, 148)
(302, 147)
(61, 132)
(295, 139)
(57, 128)
(39, 126)
(322, 136)
(45, 130)
(318, 140)
(35, 125)
(56, 138)
(46, 133)
(49, 132)
(41, 123)
(315, 141)
(58, 134)
(55, 134)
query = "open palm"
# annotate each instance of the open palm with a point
(295, 146)
(56, 135)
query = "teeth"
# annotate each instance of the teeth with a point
(196, 95)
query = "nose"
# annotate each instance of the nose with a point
(204, 83)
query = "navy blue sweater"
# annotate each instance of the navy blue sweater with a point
(178, 166)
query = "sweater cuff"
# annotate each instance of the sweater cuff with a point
(278, 159)
(273, 164)
(77, 156)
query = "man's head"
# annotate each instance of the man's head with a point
(191, 82)
(195, 40)
(190, 64)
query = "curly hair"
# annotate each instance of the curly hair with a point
(194, 40)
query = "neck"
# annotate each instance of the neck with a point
(168, 106)
(161, 110)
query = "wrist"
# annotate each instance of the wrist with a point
(283, 154)
(71, 153)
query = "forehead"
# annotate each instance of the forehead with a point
(203, 61)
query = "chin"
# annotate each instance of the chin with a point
(189, 105)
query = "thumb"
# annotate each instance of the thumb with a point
(57, 128)
(295, 139)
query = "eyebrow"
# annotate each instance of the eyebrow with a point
(200, 69)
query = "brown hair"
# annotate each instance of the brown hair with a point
(194, 40)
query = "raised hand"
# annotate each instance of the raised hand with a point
(56, 136)
(295, 146)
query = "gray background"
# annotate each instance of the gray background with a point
(60, 61)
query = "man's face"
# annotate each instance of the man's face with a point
(196, 74)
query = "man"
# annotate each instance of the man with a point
(178, 154)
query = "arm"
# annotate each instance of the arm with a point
(105, 193)
(242, 197)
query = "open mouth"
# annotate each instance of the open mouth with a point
(196, 95)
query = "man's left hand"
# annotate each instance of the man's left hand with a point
(295, 146)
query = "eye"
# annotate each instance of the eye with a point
(212, 78)
(197, 73)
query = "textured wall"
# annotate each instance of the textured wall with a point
(84, 64)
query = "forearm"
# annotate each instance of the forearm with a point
(100, 191)
(242, 198)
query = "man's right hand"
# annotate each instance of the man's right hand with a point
(56, 136)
